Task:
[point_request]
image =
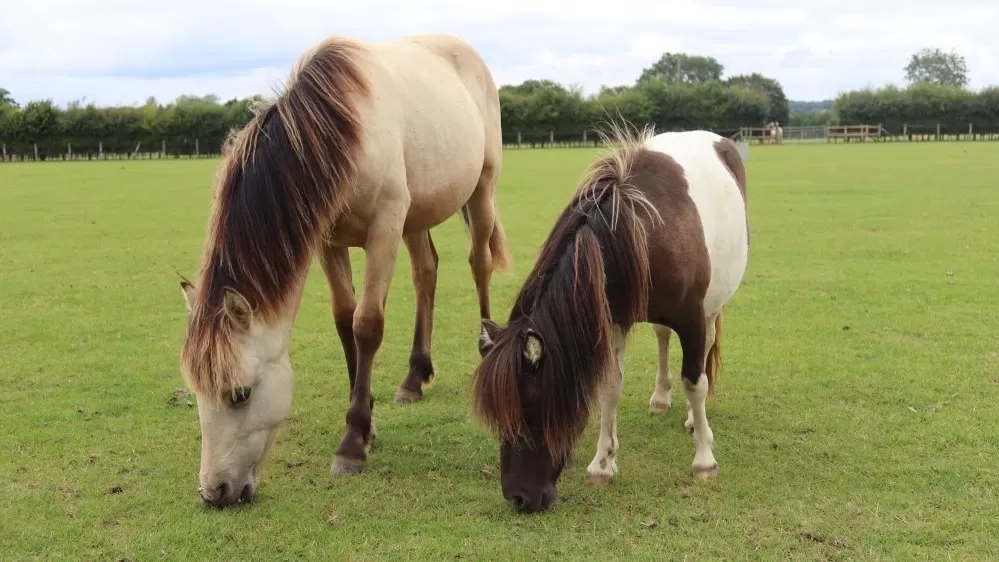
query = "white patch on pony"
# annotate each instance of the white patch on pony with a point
(662, 396)
(533, 349)
(603, 467)
(704, 465)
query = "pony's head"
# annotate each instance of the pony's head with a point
(283, 179)
(239, 368)
(538, 374)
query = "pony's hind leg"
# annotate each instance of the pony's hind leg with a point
(662, 396)
(696, 339)
(488, 251)
(603, 467)
(381, 249)
(423, 257)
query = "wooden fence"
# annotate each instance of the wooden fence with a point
(192, 149)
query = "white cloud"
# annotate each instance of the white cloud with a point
(118, 51)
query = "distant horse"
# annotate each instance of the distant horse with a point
(656, 232)
(369, 145)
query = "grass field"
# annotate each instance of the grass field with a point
(857, 417)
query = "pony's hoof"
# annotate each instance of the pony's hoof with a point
(706, 472)
(656, 407)
(405, 395)
(598, 479)
(689, 426)
(343, 466)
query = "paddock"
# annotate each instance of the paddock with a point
(855, 415)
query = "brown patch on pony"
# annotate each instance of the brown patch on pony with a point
(593, 271)
(283, 181)
(729, 155)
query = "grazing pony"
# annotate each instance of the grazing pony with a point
(656, 232)
(368, 145)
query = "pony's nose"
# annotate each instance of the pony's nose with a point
(519, 502)
(218, 496)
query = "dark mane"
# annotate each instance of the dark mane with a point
(592, 272)
(283, 181)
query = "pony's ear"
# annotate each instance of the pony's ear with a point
(237, 309)
(534, 348)
(189, 292)
(487, 336)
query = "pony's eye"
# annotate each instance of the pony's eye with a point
(240, 395)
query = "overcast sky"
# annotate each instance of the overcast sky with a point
(122, 51)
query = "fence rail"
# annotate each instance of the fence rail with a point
(194, 149)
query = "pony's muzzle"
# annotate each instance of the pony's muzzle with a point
(226, 493)
(525, 502)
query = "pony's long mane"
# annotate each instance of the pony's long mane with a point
(283, 181)
(592, 272)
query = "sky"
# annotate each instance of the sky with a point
(122, 52)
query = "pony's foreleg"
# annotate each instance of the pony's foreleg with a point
(381, 249)
(339, 276)
(423, 257)
(662, 396)
(696, 339)
(603, 467)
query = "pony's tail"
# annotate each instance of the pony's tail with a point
(498, 247)
(712, 367)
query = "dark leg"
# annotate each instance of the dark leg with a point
(423, 257)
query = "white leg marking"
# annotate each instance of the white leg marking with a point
(603, 467)
(662, 397)
(704, 466)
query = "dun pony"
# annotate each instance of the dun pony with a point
(369, 145)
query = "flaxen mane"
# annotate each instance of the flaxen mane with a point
(283, 181)
(593, 271)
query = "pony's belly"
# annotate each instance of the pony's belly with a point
(430, 207)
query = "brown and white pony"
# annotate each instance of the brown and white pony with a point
(656, 232)
(368, 145)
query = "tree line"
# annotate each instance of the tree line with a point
(678, 91)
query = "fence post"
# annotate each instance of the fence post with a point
(100, 150)
(551, 137)
(69, 151)
(938, 131)
(197, 148)
(970, 133)
(4, 145)
(36, 151)
(584, 136)
(163, 148)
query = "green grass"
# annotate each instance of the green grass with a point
(856, 417)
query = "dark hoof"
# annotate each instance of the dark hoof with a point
(343, 466)
(405, 395)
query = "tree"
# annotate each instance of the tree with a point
(683, 68)
(938, 67)
(5, 99)
(780, 109)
